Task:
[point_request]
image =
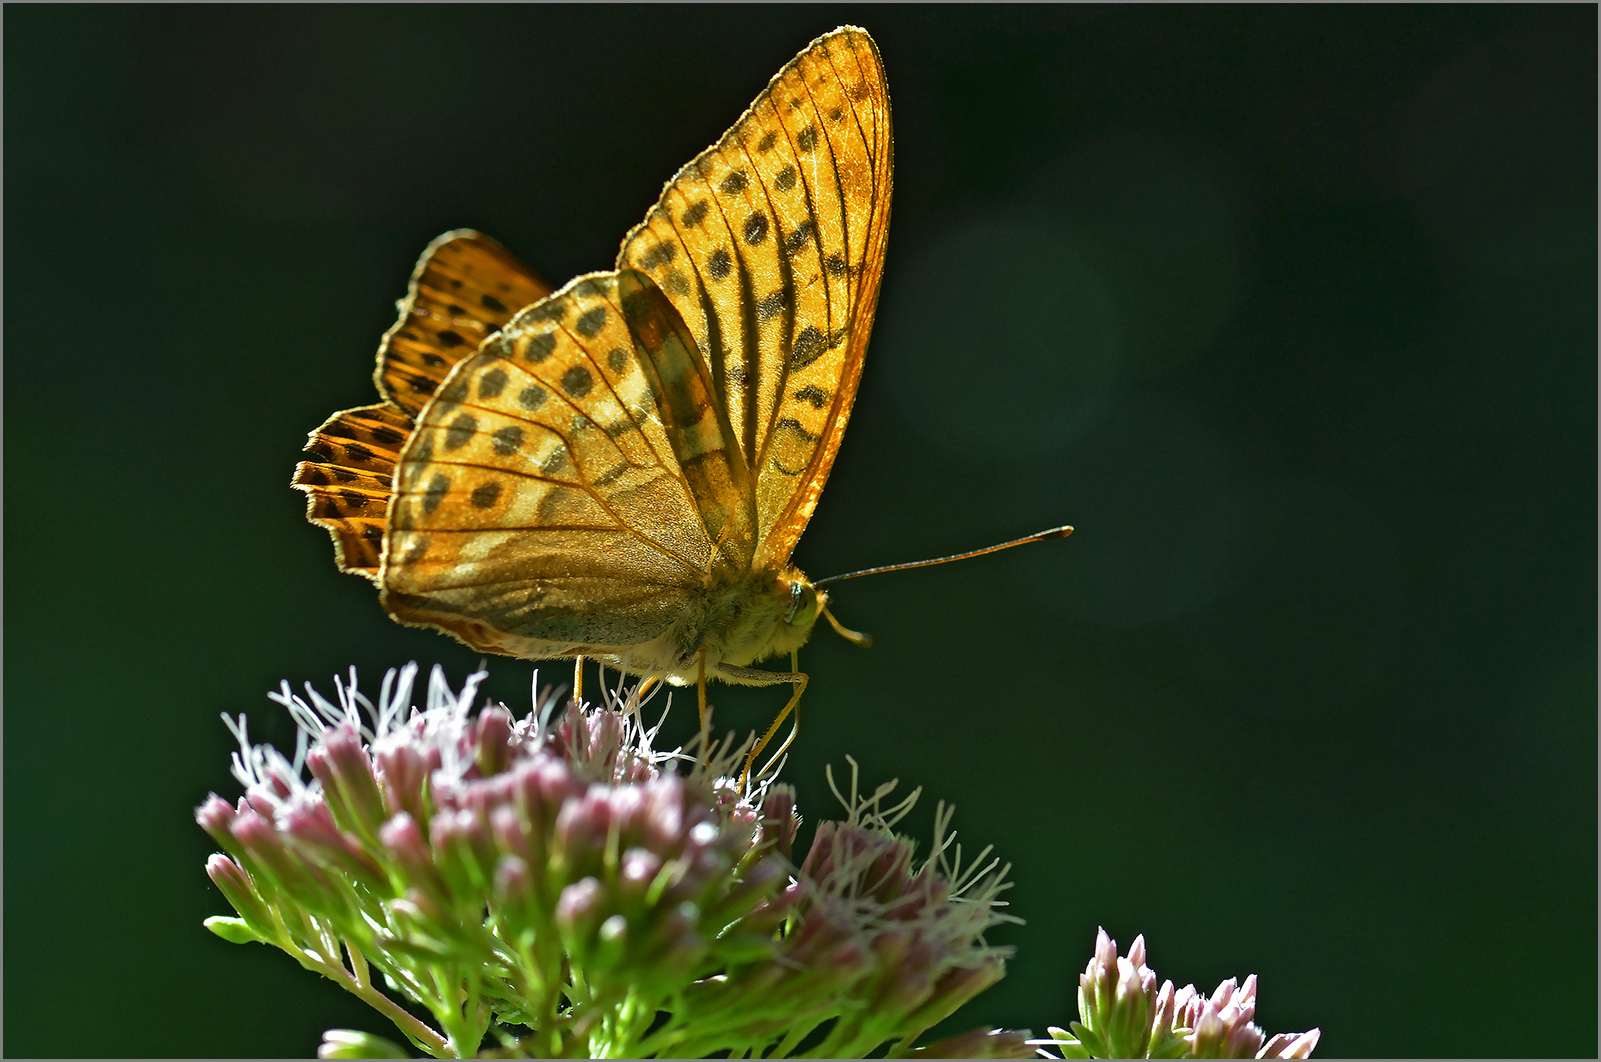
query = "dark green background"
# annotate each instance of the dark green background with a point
(1292, 311)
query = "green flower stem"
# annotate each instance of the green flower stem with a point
(360, 985)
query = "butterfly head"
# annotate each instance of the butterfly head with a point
(806, 603)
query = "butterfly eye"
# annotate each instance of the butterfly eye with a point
(802, 605)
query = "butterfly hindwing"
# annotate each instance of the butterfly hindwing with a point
(540, 487)
(464, 289)
(770, 245)
(348, 490)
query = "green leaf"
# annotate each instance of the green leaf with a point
(352, 1043)
(233, 930)
(1068, 1044)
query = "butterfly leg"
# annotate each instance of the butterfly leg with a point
(700, 690)
(578, 680)
(751, 677)
(794, 730)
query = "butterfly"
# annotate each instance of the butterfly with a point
(621, 468)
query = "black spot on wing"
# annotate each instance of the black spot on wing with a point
(813, 396)
(809, 346)
(606, 479)
(540, 347)
(659, 255)
(756, 228)
(791, 424)
(438, 487)
(491, 383)
(460, 431)
(577, 381)
(719, 264)
(486, 495)
(695, 214)
(798, 239)
(772, 305)
(508, 440)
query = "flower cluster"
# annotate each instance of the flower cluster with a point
(554, 885)
(1122, 1014)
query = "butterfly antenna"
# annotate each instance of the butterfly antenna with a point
(1041, 536)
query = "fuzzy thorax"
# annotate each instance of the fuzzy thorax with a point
(737, 623)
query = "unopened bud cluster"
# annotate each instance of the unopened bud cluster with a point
(1122, 1014)
(551, 885)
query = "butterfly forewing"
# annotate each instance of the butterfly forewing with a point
(770, 245)
(695, 419)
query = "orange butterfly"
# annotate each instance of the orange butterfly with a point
(621, 469)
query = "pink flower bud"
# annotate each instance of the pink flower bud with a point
(263, 848)
(664, 818)
(778, 821)
(311, 831)
(403, 838)
(492, 740)
(639, 869)
(346, 773)
(240, 891)
(514, 883)
(983, 1042)
(578, 913)
(403, 776)
(214, 817)
(1291, 1045)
